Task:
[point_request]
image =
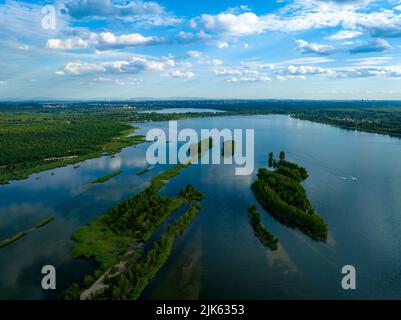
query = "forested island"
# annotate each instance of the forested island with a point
(265, 236)
(114, 239)
(107, 177)
(280, 192)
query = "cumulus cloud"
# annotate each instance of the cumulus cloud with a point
(320, 49)
(302, 15)
(230, 24)
(134, 66)
(103, 41)
(374, 45)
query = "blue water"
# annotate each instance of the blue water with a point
(354, 184)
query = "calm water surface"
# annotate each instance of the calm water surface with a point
(354, 183)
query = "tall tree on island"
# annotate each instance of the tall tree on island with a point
(271, 159)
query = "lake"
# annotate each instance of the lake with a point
(354, 184)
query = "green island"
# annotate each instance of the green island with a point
(228, 148)
(21, 234)
(44, 222)
(261, 232)
(12, 239)
(280, 192)
(138, 273)
(114, 239)
(107, 177)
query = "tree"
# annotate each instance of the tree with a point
(271, 159)
(282, 155)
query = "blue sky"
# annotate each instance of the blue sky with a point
(104, 49)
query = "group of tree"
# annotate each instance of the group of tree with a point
(282, 195)
(261, 232)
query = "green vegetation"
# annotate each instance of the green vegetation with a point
(42, 141)
(21, 234)
(43, 136)
(133, 220)
(228, 148)
(191, 194)
(107, 177)
(160, 180)
(44, 222)
(130, 283)
(12, 239)
(271, 160)
(282, 195)
(380, 120)
(264, 235)
(108, 238)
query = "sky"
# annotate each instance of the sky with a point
(215, 49)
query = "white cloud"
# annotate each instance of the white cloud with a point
(370, 71)
(345, 34)
(230, 24)
(307, 70)
(302, 15)
(194, 54)
(103, 41)
(181, 74)
(320, 49)
(134, 66)
(234, 71)
(3, 82)
(249, 79)
(371, 61)
(375, 45)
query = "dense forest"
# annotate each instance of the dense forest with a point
(379, 120)
(282, 195)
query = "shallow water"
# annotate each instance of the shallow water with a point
(354, 183)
